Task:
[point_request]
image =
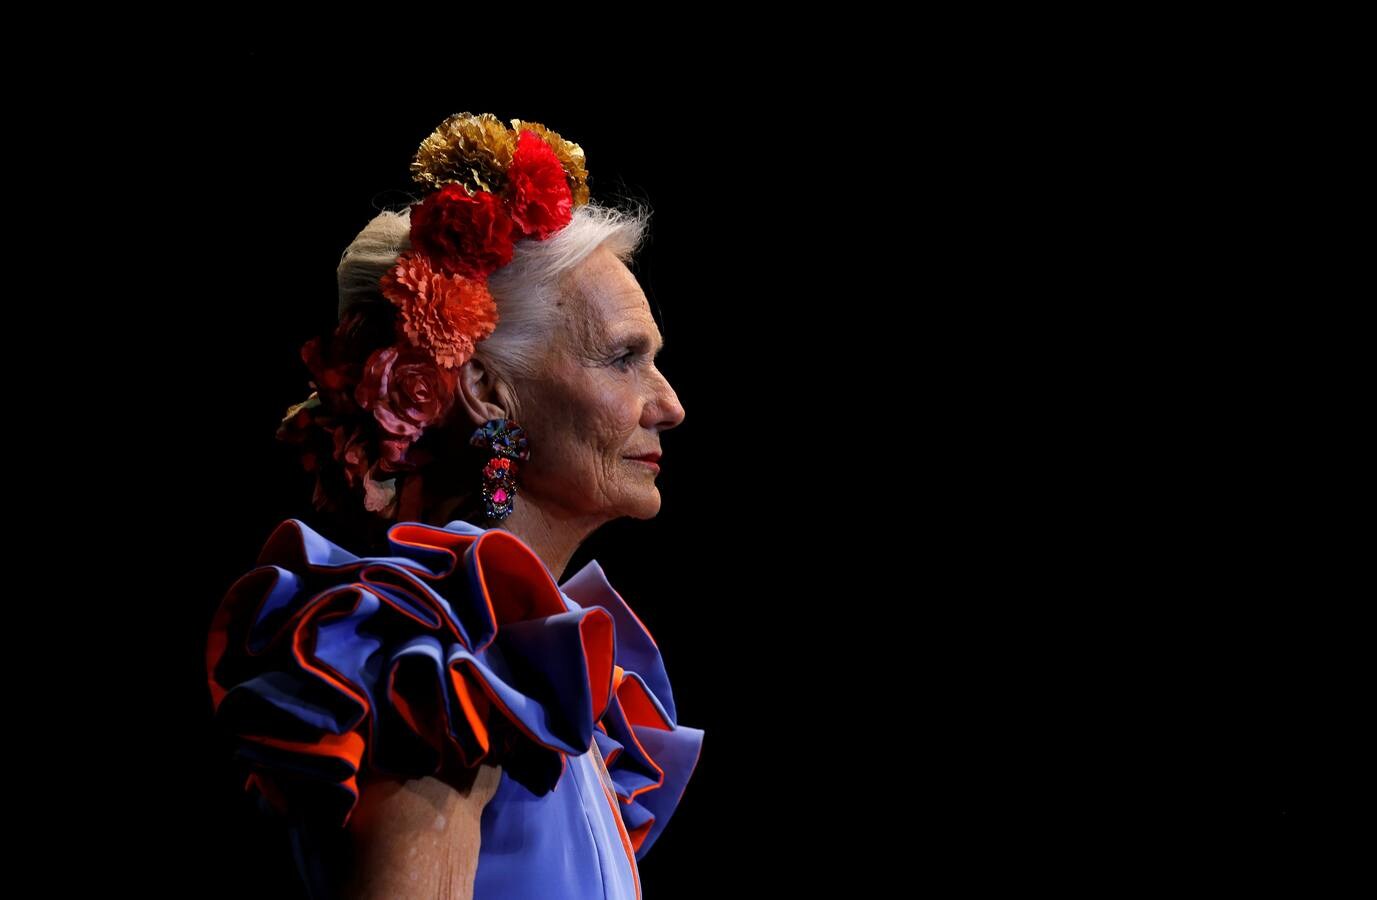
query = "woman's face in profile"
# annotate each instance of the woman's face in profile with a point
(600, 401)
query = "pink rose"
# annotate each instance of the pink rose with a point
(406, 392)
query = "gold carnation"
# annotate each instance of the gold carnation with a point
(570, 156)
(472, 150)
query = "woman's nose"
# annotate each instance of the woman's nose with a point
(667, 411)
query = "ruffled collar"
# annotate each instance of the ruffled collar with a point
(589, 587)
(455, 649)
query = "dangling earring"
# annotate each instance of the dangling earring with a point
(506, 443)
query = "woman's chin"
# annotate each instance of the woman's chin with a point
(644, 506)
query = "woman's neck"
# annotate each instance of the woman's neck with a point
(554, 537)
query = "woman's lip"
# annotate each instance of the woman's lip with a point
(649, 461)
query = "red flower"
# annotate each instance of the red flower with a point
(329, 374)
(335, 360)
(406, 392)
(537, 190)
(446, 315)
(351, 452)
(500, 467)
(462, 234)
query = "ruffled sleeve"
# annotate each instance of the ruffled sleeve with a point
(649, 755)
(455, 649)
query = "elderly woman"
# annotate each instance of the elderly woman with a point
(442, 713)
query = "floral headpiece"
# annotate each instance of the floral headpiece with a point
(491, 185)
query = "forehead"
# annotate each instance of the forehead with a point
(607, 303)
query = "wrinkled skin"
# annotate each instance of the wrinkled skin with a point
(418, 837)
(599, 399)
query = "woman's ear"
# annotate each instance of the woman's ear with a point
(478, 393)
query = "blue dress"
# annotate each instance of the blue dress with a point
(456, 649)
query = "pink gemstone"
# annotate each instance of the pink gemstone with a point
(499, 495)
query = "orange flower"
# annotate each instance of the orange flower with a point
(446, 315)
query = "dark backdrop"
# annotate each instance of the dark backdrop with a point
(269, 165)
(990, 546)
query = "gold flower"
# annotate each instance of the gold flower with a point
(472, 150)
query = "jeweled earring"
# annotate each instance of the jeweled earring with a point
(506, 444)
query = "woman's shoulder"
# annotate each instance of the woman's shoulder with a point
(452, 648)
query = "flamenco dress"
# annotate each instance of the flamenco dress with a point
(457, 648)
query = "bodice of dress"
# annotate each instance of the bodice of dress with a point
(457, 648)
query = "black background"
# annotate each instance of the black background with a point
(749, 577)
(991, 547)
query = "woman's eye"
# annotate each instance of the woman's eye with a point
(624, 360)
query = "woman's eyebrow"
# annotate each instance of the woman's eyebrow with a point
(641, 342)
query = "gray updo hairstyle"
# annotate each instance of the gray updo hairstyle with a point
(523, 289)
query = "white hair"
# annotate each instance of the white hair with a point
(524, 289)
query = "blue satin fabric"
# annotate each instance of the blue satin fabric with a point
(454, 649)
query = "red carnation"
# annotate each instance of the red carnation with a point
(537, 190)
(465, 235)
